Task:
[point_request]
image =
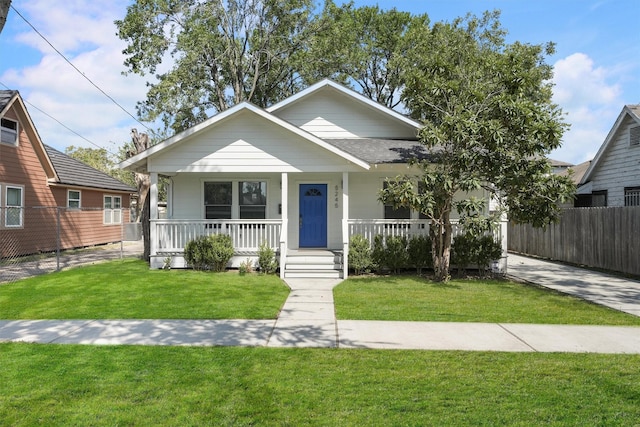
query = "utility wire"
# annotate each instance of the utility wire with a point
(62, 124)
(79, 72)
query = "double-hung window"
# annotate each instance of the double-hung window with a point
(400, 213)
(253, 199)
(9, 131)
(218, 200)
(14, 203)
(73, 199)
(112, 209)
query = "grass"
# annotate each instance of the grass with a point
(168, 386)
(127, 289)
(407, 298)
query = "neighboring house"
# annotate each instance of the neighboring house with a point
(47, 199)
(613, 177)
(559, 167)
(301, 176)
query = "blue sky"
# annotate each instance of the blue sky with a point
(597, 63)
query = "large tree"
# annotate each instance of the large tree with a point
(362, 47)
(489, 123)
(209, 55)
(4, 12)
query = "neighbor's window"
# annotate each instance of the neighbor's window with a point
(112, 209)
(217, 200)
(632, 196)
(73, 199)
(13, 206)
(9, 131)
(400, 213)
(253, 199)
(599, 198)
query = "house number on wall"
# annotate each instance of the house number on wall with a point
(335, 197)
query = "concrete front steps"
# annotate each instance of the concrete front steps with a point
(313, 263)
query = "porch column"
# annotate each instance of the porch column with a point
(345, 224)
(284, 194)
(153, 213)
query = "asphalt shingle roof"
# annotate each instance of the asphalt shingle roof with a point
(374, 150)
(5, 97)
(73, 172)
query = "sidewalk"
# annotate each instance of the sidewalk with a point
(307, 319)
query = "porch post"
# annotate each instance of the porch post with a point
(345, 224)
(284, 193)
(153, 213)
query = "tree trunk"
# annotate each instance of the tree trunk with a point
(141, 142)
(4, 12)
(440, 233)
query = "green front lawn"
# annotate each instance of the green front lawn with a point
(169, 386)
(127, 289)
(407, 298)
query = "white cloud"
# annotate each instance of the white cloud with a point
(591, 98)
(85, 33)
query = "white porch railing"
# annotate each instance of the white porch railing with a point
(369, 228)
(173, 234)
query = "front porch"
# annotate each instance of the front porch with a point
(171, 236)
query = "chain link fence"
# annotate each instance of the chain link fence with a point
(41, 239)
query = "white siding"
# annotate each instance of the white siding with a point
(330, 114)
(246, 142)
(619, 166)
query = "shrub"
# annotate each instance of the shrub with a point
(209, 252)
(420, 253)
(359, 254)
(378, 253)
(246, 266)
(475, 250)
(396, 255)
(267, 259)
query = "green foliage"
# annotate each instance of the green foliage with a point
(209, 252)
(489, 123)
(360, 258)
(378, 252)
(396, 255)
(420, 253)
(478, 250)
(267, 259)
(222, 53)
(390, 253)
(246, 266)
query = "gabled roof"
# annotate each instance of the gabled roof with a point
(578, 171)
(60, 168)
(632, 111)
(324, 84)
(138, 161)
(75, 173)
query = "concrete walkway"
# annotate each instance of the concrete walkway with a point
(308, 319)
(611, 291)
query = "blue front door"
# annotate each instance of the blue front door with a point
(313, 216)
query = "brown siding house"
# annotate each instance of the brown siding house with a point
(47, 199)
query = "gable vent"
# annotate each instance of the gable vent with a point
(634, 135)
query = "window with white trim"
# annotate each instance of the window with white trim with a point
(9, 131)
(112, 209)
(73, 199)
(14, 206)
(253, 199)
(218, 199)
(391, 213)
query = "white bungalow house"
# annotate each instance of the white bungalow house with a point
(302, 175)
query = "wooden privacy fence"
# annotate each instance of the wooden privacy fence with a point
(607, 238)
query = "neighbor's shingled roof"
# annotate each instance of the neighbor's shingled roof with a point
(73, 172)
